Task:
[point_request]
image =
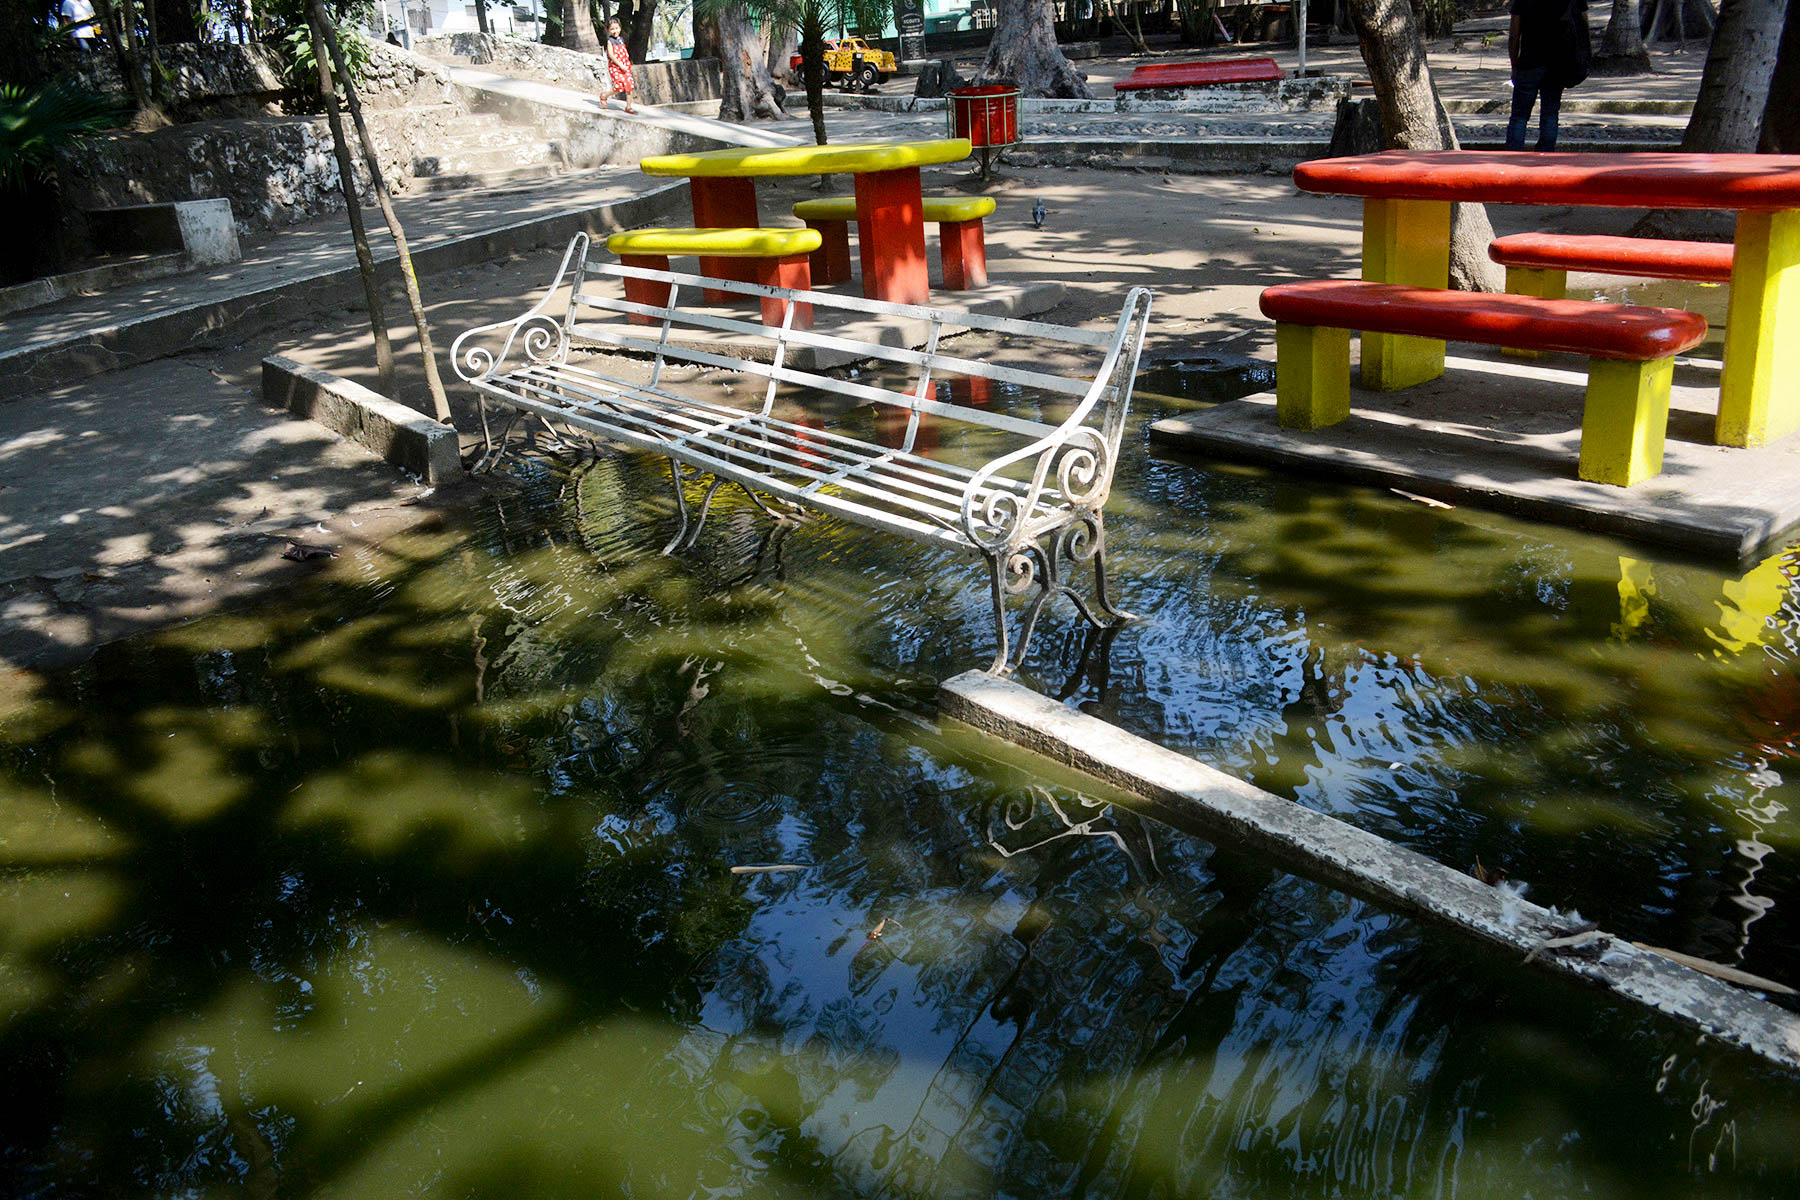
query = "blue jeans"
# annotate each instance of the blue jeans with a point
(1528, 85)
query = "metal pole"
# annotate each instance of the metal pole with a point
(1300, 32)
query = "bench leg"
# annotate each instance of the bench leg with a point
(1407, 242)
(1759, 392)
(1312, 375)
(789, 271)
(1624, 420)
(1543, 282)
(964, 252)
(831, 261)
(646, 291)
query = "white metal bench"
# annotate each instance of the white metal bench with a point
(1027, 498)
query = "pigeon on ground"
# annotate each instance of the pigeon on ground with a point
(1037, 214)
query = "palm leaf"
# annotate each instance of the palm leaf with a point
(35, 121)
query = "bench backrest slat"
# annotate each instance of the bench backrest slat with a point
(900, 355)
(990, 323)
(615, 335)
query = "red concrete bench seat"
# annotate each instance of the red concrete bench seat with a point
(1201, 74)
(782, 258)
(1629, 350)
(1651, 258)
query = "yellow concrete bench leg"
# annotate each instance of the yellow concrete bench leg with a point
(1623, 423)
(1759, 392)
(1312, 376)
(1546, 283)
(1406, 242)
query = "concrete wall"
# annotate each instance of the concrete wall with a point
(677, 82)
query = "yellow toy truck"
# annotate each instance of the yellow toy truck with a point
(858, 66)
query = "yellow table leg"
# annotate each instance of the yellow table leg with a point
(1759, 393)
(1404, 241)
(1624, 420)
(1546, 283)
(1312, 376)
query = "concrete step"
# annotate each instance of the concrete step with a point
(462, 160)
(473, 180)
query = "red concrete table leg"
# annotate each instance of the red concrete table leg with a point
(831, 261)
(890, 236)
(645, 291)
(788, 271)
(964, 253)
(724, 204)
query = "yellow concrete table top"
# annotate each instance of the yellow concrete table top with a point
(846, 159)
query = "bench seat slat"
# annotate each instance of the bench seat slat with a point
(815, 456)
(1617, 331)
(927, 517)
(594, 386)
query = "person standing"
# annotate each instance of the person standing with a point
(78, 19)
(1549, 46)
(618, 65)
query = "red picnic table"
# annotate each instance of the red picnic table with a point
(1407, 197)
(890, 214)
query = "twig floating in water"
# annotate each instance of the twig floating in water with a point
(1720, 971)
(769, 869)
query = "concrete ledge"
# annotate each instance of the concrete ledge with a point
(201, 229)
(403, 436)
(1199, 799)
(90, 280)
(1505, 435)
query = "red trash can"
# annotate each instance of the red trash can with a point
(987, 116)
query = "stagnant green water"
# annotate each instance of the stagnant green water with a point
(420, 884)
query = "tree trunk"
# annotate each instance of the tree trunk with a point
(433, 384)
(1622, 50)
(1781, 118)
(640, 23)
(481, 17)
(1024, 53)
(1413, 118)
(812, 67)
(175, 21)
(359, 236)
(706, 35)
(1734, 88)
(578, 27)
(784, 43)
(750, 93)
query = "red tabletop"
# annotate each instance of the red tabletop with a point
(1657, 179)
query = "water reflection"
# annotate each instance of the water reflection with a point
(421, 881)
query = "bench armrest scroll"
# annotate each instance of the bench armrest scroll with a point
(1074, 463)
(540, 336)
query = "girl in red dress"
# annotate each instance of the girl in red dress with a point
(618, 65)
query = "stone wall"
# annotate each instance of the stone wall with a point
(397, 78)
(275, 170)
(678, 82)
(211, 79)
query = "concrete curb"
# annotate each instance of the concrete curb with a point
(1199, 799)
(402, 436)
(95, 351)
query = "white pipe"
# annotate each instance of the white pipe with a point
(1300, 32)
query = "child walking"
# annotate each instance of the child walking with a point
(618, 65)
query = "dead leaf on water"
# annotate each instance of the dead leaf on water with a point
(302, 552)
